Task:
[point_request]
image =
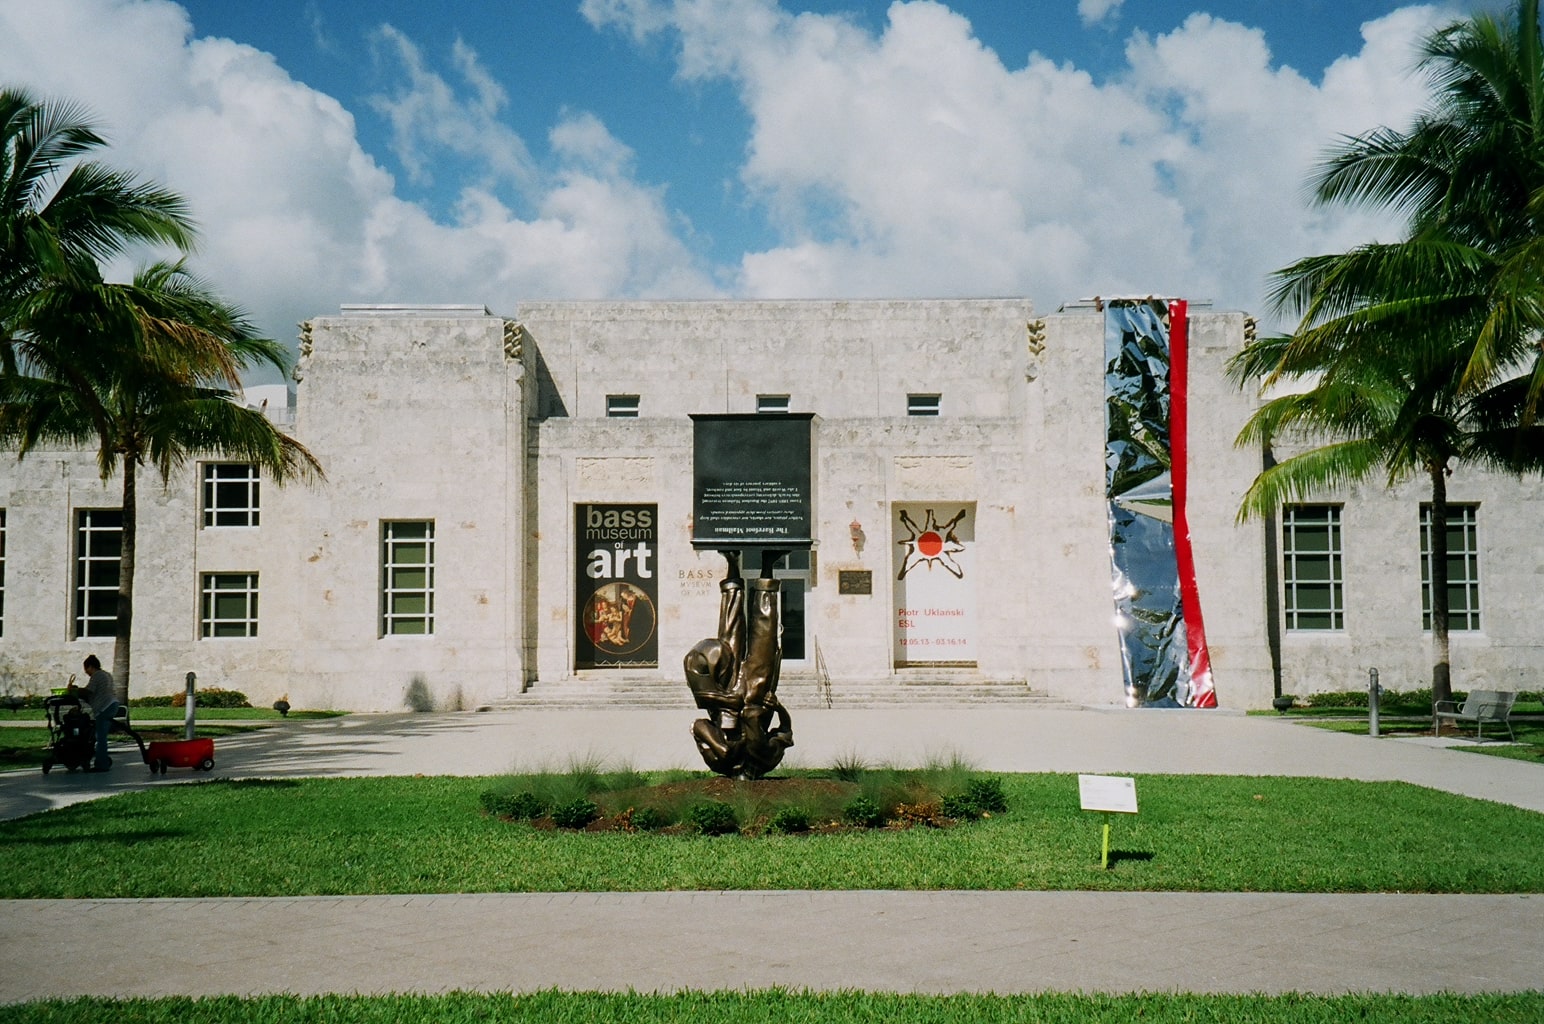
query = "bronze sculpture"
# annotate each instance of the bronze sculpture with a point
(733, 677)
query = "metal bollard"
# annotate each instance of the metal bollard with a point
(1373, 690)
(188, 703)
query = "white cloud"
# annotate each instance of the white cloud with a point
(298, 218)
(948, 173)
(905, 163)
(1092, 12)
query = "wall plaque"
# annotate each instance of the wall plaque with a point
(854, 581)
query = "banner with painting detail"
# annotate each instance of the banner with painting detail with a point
(934, 584)
(1164, 658)
(616, 586)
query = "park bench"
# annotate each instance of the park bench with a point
(1482, 706)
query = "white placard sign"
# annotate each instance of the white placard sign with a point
(1108, 793)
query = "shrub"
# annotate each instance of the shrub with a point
(1337, 699)
(648, 818)
(713, 818)
(790, 819)
(849, 767)
(907, 815)
(863, 813)
(520, 806)
(959, 807)
(575, 814)
(218, 698)
(987, 794)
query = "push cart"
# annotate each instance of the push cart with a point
(72, 734)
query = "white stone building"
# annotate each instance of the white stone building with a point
(448, 551)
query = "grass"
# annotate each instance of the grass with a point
(175, 714)
(1529, 746)
(782, 1007)
(427, 835)
(24, 746)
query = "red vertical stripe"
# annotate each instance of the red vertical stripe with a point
(1202, 695)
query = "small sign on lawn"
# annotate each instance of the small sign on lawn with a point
(1110, 794)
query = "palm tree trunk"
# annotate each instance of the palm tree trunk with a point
(1441, 669)
(123, 631)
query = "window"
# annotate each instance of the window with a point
(2, 572)
(622, 405)
(1463, 567)
(407, 577)
(230, 604)
(922, 405)
(1310, 552)
(98, 548)
(771, 403)
(230, 494)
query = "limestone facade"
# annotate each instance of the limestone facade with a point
(493, 432)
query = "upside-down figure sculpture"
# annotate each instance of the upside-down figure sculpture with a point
(733, 677)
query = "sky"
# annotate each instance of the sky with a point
(408, 151)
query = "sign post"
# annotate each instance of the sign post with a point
(1108, 794)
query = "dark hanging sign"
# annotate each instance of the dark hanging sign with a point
(616, 586)
(753, 481)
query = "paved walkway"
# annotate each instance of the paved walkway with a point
(900, 941)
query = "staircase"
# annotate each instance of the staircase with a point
(804, 690)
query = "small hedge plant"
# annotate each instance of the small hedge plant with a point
(713, 818)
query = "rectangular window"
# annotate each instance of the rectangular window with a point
(622, 405)
(771, 403)
(1311, 574)
(407, 577)
(230, 494)
(2, 572)
(1463, 567)
(98, 549)
(230, 604)
(922, 405)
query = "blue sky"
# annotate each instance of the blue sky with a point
(352, 151)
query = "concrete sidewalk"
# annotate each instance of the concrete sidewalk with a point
(935, 942)
(900, 941)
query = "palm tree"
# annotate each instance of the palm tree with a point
(146, 372)
(1423, 353)
(56, 207)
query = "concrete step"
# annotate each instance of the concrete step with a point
(794, 693)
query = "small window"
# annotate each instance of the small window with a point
(229, 605)
(1311, 575)
(407, 577)
(230, 494)
(622, 405)
(771, 403)
(922, 405)
(98, 555)
(1463, 562)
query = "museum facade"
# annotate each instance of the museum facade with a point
(507, 518)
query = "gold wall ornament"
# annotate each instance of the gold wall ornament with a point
(305, 350)
(514, 336)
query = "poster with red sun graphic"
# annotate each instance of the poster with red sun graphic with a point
(935, 585)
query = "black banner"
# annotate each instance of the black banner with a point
(753, 481)
(616, 586)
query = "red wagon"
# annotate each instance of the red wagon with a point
(197, 754)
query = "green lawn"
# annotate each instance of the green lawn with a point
(426, 835)
(1529, 733)
(781, 1007)
(25, 746)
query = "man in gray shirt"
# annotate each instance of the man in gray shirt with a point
(102, 696)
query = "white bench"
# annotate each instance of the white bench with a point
(1493, 706)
